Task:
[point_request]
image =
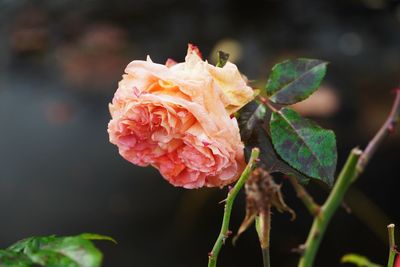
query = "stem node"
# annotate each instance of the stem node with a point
(392, 245)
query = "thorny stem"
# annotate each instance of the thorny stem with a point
(392, 245)
(387, 128)
(213, 255)
(354, 166)
(328, 209)
(301, 192)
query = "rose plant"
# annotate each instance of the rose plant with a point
(198, 123)
(180, 118)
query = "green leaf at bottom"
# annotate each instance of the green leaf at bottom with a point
(53, 251)
(358, 260)
(13, 259)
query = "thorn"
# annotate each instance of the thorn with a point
(391, 128)
(230, 188)
(222, 201)
(346, 207)
(229, 233)
(300, 249)
(210, 254)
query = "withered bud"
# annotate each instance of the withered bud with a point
(262, 193)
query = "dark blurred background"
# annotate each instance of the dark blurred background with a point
(60, 61)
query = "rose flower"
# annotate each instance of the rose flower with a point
(178, 118)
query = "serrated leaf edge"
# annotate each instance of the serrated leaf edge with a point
(330, 178)
(324, 63)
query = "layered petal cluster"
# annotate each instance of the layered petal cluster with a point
(177, 118)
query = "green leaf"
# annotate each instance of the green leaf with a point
(222, 59)
(52, 251)
(358, 260)
(50, 258)
(21, 245)
(77, 249)
(293, 81)
(271, 161)
(14, 259)
(254, 130)
(304, 145)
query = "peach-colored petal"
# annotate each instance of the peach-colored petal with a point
(234, 86)
(177, 119)
(170, 62)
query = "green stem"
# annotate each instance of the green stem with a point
(354, 166)
(345, 179)
(266, 259)
(263, 227)
(213, 255)
(392, 245)
(307, 200)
